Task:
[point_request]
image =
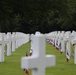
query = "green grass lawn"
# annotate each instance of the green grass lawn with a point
(12, 64)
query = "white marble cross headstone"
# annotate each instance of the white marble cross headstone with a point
(62, 42)
(59, 38)
(32, 40)
(17, 37)
(68, 42)
(8, 41)
(1, 47)
(74, 42)
(13, 41)
(39, 60)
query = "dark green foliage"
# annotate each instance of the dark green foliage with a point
(29, 16)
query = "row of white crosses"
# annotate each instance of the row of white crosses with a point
(64, 37)
(21, 39)
(39, 60)
(12, 41)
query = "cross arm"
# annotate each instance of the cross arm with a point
(28, 62)
(50, 60)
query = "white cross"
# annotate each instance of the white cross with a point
(38, 61)
(74, 42)
(1, 47)
(68, 42)
(62, 42)
(13, 41)
(8, 42)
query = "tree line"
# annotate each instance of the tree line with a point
(29, 16)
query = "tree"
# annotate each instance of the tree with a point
(31, 15)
